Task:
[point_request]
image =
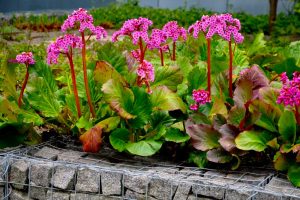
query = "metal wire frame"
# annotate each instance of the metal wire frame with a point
(247, 182)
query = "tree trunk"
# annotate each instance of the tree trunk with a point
(272, 14)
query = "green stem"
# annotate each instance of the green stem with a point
(85, 76)
(74, 84)
(208, 67)
(23, 86)
(230, 70)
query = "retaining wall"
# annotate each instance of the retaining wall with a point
(47, 172)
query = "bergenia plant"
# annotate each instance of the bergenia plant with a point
(85, 21)
(290, 93)
(158, 40)
(64, 45)
(27, 59)
(137, 29)
(175, 32)
(200, 97)
(227, 28)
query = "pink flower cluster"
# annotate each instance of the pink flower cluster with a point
(223, 25)
(134, 28)
(62, 45)
(157, 40)
(26, 58)
(290, 92)
(146, 71)
(85, 21)
(200, 97)
(174, 31)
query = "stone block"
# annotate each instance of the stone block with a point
(88, 180)
(239, 191)
(18, 195)
(47, 153)
(111, 183)
(162, 187)
(63, 178)
(19, 174)
(52, 195)
(41, 174)
(36, 192)
(278, 189)
(214, 187)
(136, 183)
(79, 196)
(246, 178)
(70, 156)
(134, 195)
(182, 191)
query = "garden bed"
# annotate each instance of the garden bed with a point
(47, 171)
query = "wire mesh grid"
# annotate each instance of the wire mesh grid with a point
(126, 178)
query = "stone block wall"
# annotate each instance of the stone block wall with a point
(70, 175)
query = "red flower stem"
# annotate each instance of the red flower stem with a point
(208, 67)
(85, 76)
(74, 84)
(230, 70)
(23, 86)
(174, 51)
(297, 115)
(161, 57)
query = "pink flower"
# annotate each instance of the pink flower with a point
(194, 107)
(223, 25)
(201, 96)
(62, 45)
(290, 92)
(26, 58)
(136, 54)
(157, 39)
(134, 28)
(146, 71)
(85, 21)
(174, 31)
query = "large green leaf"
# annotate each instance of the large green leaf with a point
(175, 135)
(243, 92)
(258, 44)
(289, 66)
(294, 174)
(236, 115)
(109, 124)
(42, 91)
(269, 115)
(141, 108)
(119, 97)
(144, 148)
(253, 140)
(280, 162)
(199, 158)
(164, 99)
(287, 126)
(218, 156)
(104, 72)
(203, 137)
(95, 90)
(219, 107)
(196, 79)
(169, 76)
(119, 139)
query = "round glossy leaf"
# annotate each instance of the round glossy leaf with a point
(144, 148)
(253, 140)
(119, 138)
